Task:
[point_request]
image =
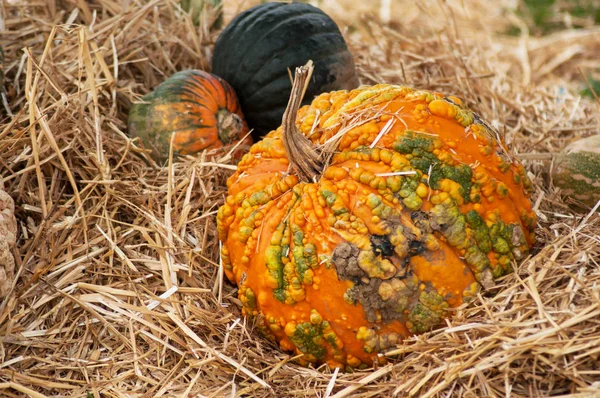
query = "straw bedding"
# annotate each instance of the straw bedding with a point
(117, 289)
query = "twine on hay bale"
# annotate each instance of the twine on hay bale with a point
(118, 288)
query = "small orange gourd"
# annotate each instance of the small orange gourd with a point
(410, 208)
(199, 108)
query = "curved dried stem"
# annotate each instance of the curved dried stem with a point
(302, 154)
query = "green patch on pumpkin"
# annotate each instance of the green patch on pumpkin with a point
(576, 171)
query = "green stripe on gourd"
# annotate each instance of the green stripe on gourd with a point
(576, 170)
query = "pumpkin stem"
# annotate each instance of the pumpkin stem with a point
(302, 154)
(229, 126)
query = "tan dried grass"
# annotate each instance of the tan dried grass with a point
(119, 291)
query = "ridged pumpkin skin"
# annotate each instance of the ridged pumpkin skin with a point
(400, 228)
(201, 109)
(254, 52)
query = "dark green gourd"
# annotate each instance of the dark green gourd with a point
(255, 51)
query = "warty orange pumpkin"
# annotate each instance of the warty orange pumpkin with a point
(199, 108)
(410, 207)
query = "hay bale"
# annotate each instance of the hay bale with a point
(8, 238)
(119, 288)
